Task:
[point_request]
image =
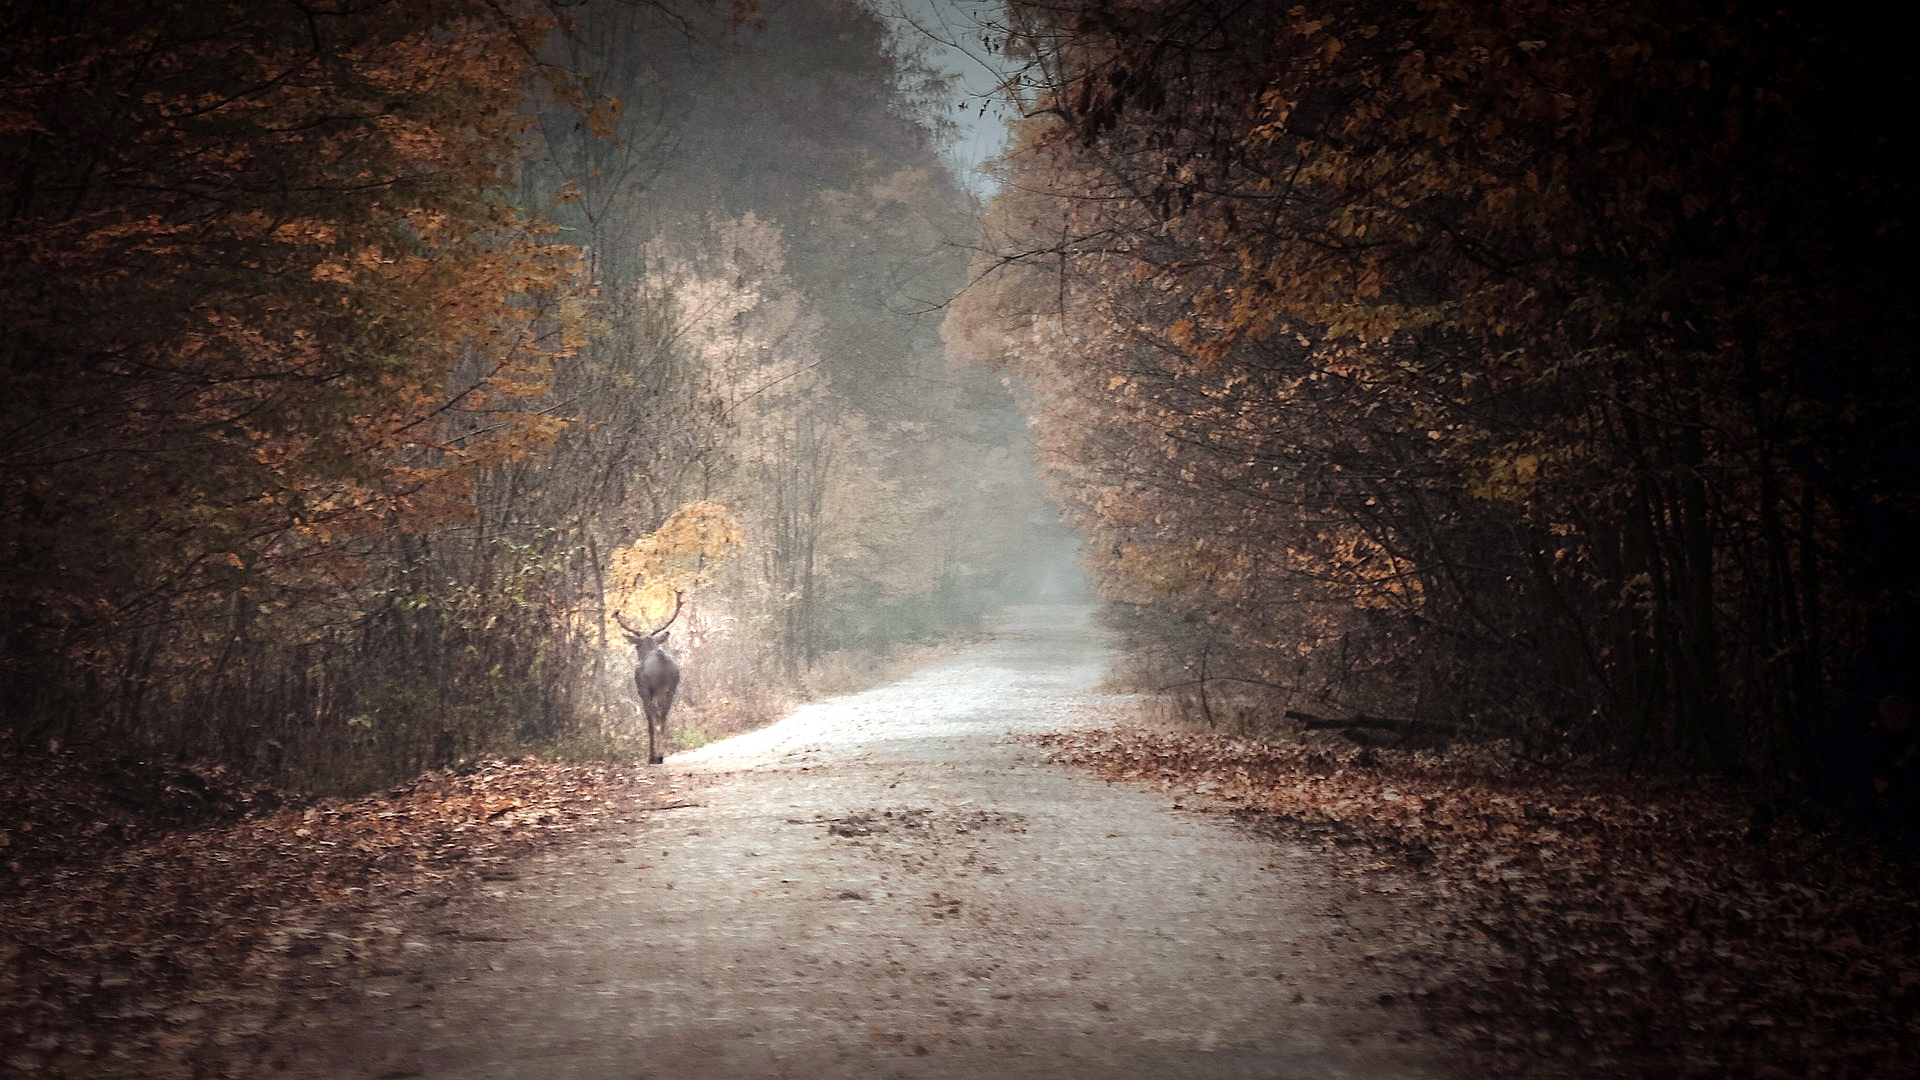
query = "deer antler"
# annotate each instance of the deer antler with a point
(679, 598)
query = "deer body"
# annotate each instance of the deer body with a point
(655, 676)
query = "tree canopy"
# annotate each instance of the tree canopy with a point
(1537, 369)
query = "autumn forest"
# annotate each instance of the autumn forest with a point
(1485, 368)
(1502, 392)
(361, 365)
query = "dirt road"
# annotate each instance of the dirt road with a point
(884, 885)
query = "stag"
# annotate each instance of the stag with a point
(656, 676)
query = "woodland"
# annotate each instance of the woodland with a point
(1532, 373)
(363, 363)
(1488, 428)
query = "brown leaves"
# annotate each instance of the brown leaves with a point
(1588, 922)
(139, 904)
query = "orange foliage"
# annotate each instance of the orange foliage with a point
(261, 294)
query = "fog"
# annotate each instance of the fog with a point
(776, 237)
(644, 323)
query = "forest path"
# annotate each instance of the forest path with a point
(883, 885)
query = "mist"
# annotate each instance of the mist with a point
(683, 354)
(956, 538)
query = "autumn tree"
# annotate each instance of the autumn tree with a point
(1481, 363)
(254, 265)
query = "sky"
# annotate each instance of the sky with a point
(946, 29)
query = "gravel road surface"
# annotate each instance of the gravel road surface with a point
(887, 885)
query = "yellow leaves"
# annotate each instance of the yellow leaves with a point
(333, 271)
(530, 431)
(1512, 480)
(1276, 108)
(644, 576)
(574, 308)
(1374, 578)
(603, 118)
(304, 231)
(1169, 568)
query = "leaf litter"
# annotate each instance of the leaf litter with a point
(156, 920)
(1580, 922)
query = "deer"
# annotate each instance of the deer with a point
(656, 676)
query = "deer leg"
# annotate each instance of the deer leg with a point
(656, 750)
(666, 706)
(646, 706)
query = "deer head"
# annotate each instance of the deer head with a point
(649, 640)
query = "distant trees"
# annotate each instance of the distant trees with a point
(776, 217)
(1539, 369)
(360, 363)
